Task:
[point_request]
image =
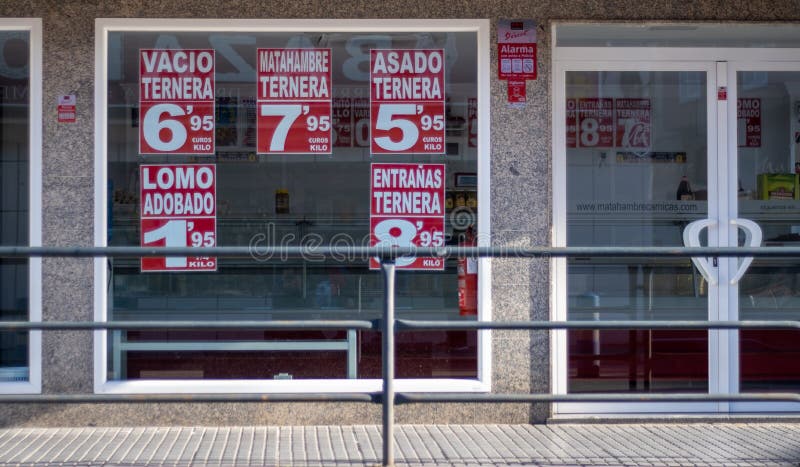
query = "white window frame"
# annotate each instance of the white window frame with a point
(105, 25)
(559, 312)
(34, 28)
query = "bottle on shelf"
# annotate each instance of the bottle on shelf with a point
(281, 201)
(448, 201)
(460, 199)
(472, 199)
(684, 190)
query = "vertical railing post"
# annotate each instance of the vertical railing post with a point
(387, 359)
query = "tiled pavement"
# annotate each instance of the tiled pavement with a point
(717, 444)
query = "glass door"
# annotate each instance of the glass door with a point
(639, 150)
(765, 146)
(672, 135)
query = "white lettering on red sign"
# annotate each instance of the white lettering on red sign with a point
(176, 101)
(472, 121)
(572, 123)
(748, 115)
(407, 101)
(178, 208)
(517, 93)
(342, 122)
(294, 101)
(407, 210)
(595, 123)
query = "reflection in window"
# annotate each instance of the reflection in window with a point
(636, 176)
(14, 167)
(768, 142)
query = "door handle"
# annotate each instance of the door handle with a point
(691, 238)
(752, 238)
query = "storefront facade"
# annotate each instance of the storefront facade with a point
(185, 133)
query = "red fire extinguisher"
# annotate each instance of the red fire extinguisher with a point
(468, 279)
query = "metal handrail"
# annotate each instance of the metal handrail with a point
(408, 325)
(314, 325)
(394, 252)
(387, 397)
(400, 325)
(406, 397)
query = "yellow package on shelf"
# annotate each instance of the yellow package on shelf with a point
(778, 186)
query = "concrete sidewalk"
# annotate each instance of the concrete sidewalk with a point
(718, 444)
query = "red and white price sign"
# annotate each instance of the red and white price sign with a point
(407, 210)
(342, 122)
(178, 209)
(748, 115)
(596, 122)
(293, 113)
(472, 121)
(176, 101)
(572, 123)
(361, 122)
(407, 101)
(517, 93)
(633, 123)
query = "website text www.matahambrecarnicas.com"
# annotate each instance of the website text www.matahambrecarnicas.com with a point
(636, 206)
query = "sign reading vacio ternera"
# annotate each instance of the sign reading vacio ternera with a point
(407, 101)
(178, 209)
(407, 210)
(176, 101)
(294, 97)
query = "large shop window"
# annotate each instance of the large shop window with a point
(264, 138)
(20, 201)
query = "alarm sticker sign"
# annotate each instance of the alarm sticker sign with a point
(294, 101)
(516, 50)
(407, 101)
(407, 210)
(66, 108)
(178, 205)
(176, 101)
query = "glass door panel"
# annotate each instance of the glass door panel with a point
(768, 140)
(637, 174)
